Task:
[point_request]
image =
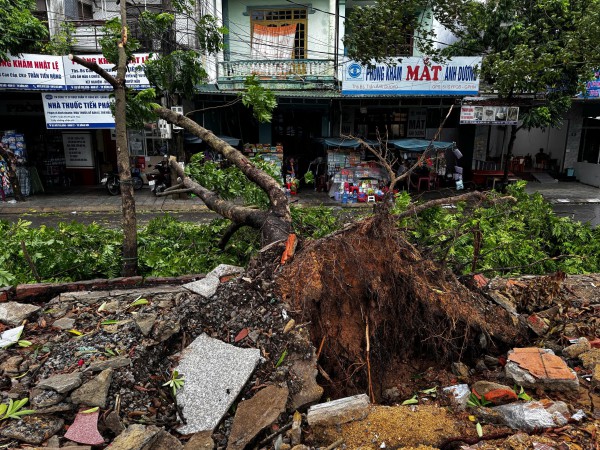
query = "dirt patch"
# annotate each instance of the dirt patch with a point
(369, 287)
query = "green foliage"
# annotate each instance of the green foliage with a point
(262, 100)
(155, 25)
(21, 30)
(210, 35)
(111, 38)
(62, 42)
(475, 402)
(314, 222)
(178, 72)
(13, 409)
(175, 383)
(229, 181)
(508, 238)
(140, 108)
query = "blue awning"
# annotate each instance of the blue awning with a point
(419, 145)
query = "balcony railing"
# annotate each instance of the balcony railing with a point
(278, 70)
(88, 32)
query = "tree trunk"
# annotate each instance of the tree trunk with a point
(123, 165)
(274, 224)
(509, 151)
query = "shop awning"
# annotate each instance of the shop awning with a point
(419, 145)
(192, 139)
(347, 143)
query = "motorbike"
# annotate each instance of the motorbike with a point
(113, 184)
(160, 180)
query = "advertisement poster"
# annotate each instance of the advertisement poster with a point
(78, 78)
(77, 110)
(78, 150)
(489, 115)
(417, 118)
(413, 76)
(592, 88)
(32, 72)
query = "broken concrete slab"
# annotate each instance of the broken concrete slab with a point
(136, 437)
(95, 391)
(255, 414)
(32, 429)
(215, 373)
(84, 429)
(537, 367)
(339, 411)
(13, 313)
(306, 371)
(207, 286)
(62, 383)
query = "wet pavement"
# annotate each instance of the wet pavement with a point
(576, 200)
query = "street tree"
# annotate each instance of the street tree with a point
(536, 54)
(178, 73)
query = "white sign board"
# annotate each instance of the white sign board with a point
(77, 110)
(78, 150)
(417, 118)
(489, 115)
(413, 76)
(32, 72)
(78, 78)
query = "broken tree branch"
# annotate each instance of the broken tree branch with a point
(94, 67)
(229, 232)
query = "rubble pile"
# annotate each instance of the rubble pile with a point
(227, 362)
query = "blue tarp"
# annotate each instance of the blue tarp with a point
(418, 145)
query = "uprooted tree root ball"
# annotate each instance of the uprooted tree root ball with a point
(368, 288)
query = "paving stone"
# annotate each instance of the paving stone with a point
(66, 323)
(62, 383)
(32, 429)
(207, 286)
(95, 391)
(13, 313)
(111, 363)
(537, 367)
(84, 429)
(166, 441)
(200, 441)
(215, 373)
(136, 437)
(581, 346)
(339, 411)
(255, 414)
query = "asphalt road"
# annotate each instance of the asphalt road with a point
(584, 212)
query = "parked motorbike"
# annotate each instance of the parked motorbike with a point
(160, 180)
(113, 184)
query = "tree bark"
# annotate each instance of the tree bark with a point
(128, 203)
(274, 224)
(509, 151)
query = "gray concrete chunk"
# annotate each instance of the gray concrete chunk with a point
(214, 373)
(62, 383)
(207, 286)
(339, 411)
(13, 313)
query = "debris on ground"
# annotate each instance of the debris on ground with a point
(336, 349)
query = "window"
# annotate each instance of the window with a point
(85, 11)
(589, 148)
(289, 30)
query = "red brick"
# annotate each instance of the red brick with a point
(541, 364)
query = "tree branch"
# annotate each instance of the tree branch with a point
(94, 67)
(229, 232)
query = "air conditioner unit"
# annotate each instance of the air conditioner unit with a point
(178, 110)
(165, 129)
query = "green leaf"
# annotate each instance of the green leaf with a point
(91, 410)
(24, 343)
(75, 332)
(411, 401)
(281, 358)
(109, 322)
(138, 302)
(479, 429)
